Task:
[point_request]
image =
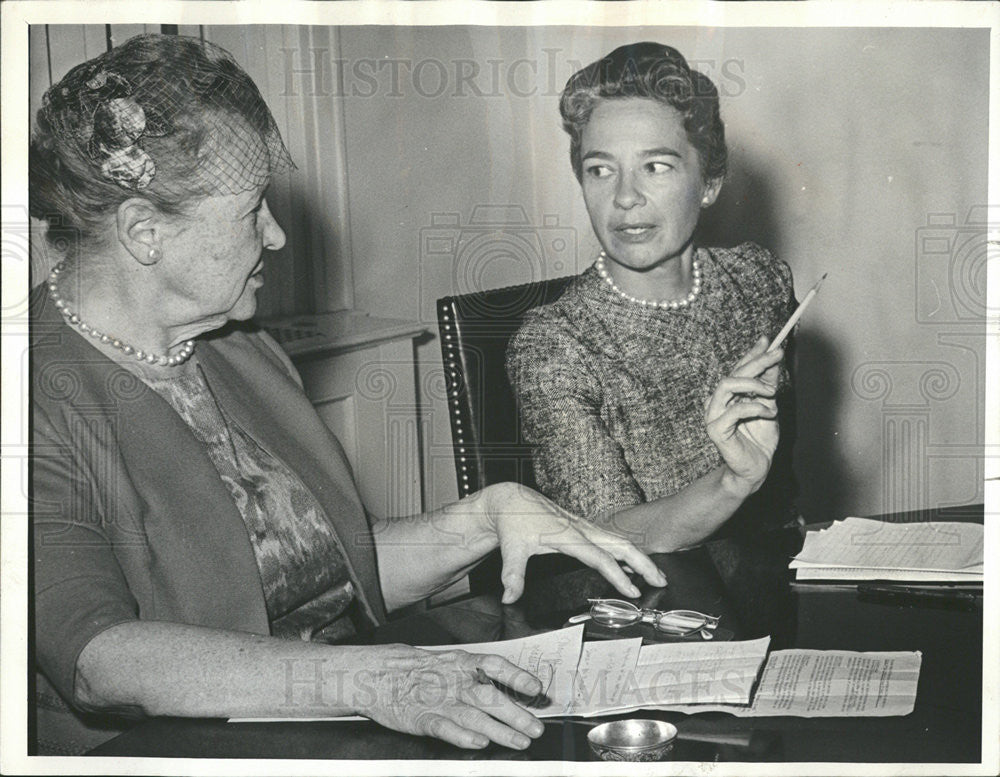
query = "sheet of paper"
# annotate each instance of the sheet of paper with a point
(692, 672)
(828, 683)
(860, 543)
(552, 657)
(605, 672)
(902, 575)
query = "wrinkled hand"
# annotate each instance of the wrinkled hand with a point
(741, 416)
(527, 524)
(449, 695)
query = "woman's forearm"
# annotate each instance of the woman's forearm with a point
(421, 554)
(161, 668)
(683, 519)
(174, 669)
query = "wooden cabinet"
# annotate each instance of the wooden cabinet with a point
(358, 371)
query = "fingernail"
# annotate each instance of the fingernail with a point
(537, 728)
(521, 742)
(507, 597)
(480, 741)
(662, 579)
(633, 591)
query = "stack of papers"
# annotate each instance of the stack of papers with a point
(863, 549)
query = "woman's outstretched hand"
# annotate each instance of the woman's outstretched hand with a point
(449, 695)
(741, 416)
(527, 524)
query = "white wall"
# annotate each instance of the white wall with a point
(843, 144)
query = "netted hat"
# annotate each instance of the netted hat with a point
(169, 115)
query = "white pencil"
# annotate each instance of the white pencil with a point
(796, 315)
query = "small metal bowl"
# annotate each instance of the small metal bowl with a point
(634, 739)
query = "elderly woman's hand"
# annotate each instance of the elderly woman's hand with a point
(741, 417)
(528, 524)
(449, 695)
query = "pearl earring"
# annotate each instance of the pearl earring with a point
(154, 254)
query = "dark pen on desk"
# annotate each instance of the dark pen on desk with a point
(940, 596)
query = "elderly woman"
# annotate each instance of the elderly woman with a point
(198, 538)
(646, 389)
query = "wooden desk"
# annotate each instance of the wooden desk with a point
(746, 581)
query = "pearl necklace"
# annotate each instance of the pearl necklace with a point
(150, 358)
(671, 304)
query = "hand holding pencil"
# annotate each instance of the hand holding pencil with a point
(741, 418)
(741, 415)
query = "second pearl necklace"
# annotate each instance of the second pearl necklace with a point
(671, 304)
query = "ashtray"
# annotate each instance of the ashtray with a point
(634, 739)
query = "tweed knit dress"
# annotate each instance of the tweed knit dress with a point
(611, 393)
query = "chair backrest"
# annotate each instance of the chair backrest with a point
(475, 330)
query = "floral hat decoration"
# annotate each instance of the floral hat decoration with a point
(195, 111)
(119, 123)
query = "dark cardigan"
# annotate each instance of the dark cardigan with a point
(129, 517)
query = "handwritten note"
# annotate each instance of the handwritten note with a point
(552, 657)
(693, 673)
(605, 672)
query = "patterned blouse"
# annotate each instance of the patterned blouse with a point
(612, 393)
(303, 570)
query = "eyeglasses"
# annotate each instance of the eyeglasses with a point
(617, 614)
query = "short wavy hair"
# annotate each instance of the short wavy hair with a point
(169, 118)
(656, 72)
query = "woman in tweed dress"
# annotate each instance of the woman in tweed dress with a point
(646, 389)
